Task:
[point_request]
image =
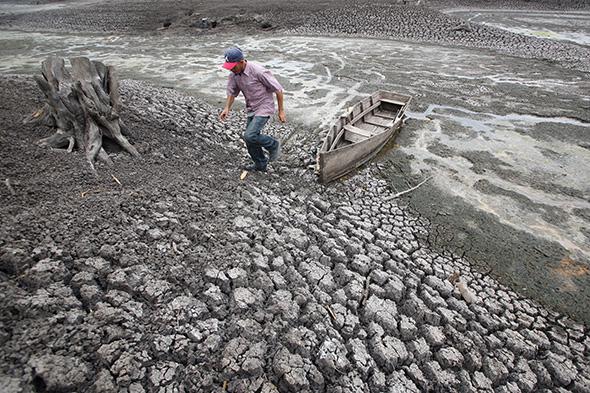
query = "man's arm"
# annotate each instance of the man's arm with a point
(228, 104)
(282, 115)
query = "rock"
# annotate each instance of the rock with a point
(433, 335)
(105, 382)
(296, 237)
(59, 373)
(407, 328)
(382, 311)
(13, 260)
(449, 357)
(46, 271)
(281, 303)
(331, 358)
(495, 370)
(244, 297)
(163, 373)
(292, 369)
(155, 234)
(420, 349)
(444, 288)
(562, 369)
(389, 352)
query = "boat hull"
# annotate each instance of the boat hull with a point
(336, 159)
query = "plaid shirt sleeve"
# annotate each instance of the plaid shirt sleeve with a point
(232, 87)
(269, 81)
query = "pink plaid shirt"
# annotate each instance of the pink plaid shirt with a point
(258, 85)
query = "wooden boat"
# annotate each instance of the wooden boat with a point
(358, 135)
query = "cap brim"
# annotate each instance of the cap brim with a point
(229, 66)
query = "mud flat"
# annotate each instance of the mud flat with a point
(185, 278)
(190, 279)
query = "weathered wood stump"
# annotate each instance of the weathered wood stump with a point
(83, 107)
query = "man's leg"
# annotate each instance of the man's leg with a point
(255, 141)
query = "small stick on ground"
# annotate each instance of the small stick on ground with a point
(330, 312)
(365, 292)
(84, 193)
(10, 188)
(117, 180)
(406, 191)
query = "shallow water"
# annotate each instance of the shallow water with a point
(568, 26)
(470, 102)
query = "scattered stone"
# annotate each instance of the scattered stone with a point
(449, 357)
(59, 373)
(389, 352)
(244, 297)
(382, 311)
(331, 358)
(46, 271)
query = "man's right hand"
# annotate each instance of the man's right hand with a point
(223, 114)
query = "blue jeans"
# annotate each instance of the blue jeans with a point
(255, 141)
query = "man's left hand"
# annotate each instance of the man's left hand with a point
(282, 117)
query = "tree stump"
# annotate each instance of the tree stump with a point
(82, 106)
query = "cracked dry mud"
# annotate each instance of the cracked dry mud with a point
(186, 279)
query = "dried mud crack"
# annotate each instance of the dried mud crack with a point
(168, 273)
(184, 278)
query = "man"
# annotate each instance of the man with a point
(258, 85)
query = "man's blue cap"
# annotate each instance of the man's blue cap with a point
(232, 57)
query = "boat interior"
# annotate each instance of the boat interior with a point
(369, 117)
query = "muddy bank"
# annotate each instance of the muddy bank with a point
(479, 123)
(532, 266)
(186, 278)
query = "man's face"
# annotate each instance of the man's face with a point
(239, 67)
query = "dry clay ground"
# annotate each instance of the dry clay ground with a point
(184, 278)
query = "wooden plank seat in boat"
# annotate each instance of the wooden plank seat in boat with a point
(394, 102)
(359, 134)
(385, 115)
(378, 121)
(355, 134)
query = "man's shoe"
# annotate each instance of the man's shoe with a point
(275, 153)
